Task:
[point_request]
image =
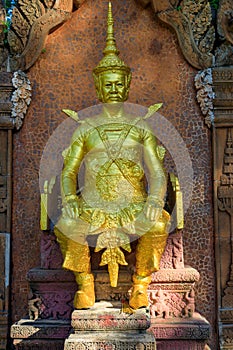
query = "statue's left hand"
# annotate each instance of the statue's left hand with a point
(152, 213)
(153, 208)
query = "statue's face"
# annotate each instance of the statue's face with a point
(113, 87)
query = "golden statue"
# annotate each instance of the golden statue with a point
(114, 203)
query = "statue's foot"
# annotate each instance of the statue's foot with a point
(139, 297)
(82, 300)
(85, 297)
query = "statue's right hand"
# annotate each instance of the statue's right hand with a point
(71, 207)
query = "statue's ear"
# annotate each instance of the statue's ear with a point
(97, 81)
(129, 77)
(128, 81)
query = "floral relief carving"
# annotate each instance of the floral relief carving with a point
(205, 94)
(21, 97)
(192, 22)
(31, 23)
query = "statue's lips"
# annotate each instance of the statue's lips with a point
(115, 98)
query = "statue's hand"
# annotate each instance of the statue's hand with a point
(71, 207)
(153, 208)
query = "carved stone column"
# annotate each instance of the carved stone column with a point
(223, 199)
(6, 126)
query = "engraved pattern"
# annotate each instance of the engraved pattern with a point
(162, 332)
(57, 305)
(33, 345)
(51, 257)
(168, 304)
(177, 252)
(225, 195)
(227, 337)
(110, 346)
(3, 205)
(37, 331)
(110, 322)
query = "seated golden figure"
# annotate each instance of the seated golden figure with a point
(114, 203)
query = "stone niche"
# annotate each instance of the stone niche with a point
(62, 78)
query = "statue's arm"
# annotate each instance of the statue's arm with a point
(157, 180)
(72, 162)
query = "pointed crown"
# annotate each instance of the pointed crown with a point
(111, 60)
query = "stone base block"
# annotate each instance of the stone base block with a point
(106, 326)
(181, 333)
(110, 340)
(40, 334)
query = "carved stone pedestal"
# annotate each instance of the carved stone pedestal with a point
(40, 334)
(105, 326)
(174, 322)
(181, 334)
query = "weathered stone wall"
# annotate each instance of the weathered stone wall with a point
(62, 78)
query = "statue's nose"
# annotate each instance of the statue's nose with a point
(113, 88)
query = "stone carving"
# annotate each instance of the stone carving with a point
(192, 23)
(205, 94)
(34, 307)
(224, 54)
(40, 329)
(31, 23)
(3, 49)
(3, 205)
(21, 97)
(225, 20)
(159, 307)
(105, 326)
(2, 307)
(166, 303)
(227, 338)
(225, 195)
(56, 305)
(162, 332)
(224, 49)
(33, 345)
(109, 346)
(50, 252)
(195, 25)
(190, 306)
(177, 256)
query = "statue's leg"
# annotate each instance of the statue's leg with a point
(149, 250)
(85, 296)
(77, 259)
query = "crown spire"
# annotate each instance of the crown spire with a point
(110, 40)
(111, 59)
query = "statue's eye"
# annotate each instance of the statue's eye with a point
(119, 84)
(108, 84)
